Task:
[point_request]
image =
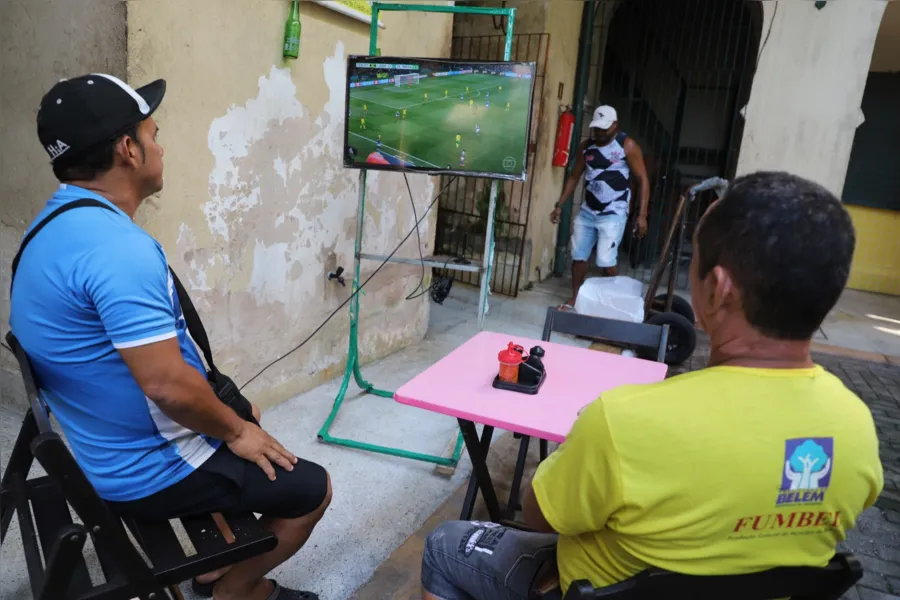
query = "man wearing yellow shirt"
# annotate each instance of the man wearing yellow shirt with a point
(761, 460)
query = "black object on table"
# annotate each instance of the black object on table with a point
(532, 375)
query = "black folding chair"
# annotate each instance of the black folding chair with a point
(796, 583)
(63, 573)
(648, 340)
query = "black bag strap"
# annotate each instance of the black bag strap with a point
(37, 228)
(194, 324)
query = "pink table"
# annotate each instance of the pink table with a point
(459, 385)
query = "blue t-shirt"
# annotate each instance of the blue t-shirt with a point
(91, 282)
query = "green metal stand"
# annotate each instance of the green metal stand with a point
(353, 366)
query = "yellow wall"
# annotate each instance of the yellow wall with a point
(876, 263)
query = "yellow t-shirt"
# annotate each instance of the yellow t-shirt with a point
(727, 470)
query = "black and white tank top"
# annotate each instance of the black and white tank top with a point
(606, 177)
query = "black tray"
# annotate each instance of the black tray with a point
(519, 387)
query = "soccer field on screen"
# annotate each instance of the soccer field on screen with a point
(437, 109)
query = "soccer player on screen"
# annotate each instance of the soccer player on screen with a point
(404, 113)
(362, 123)
(472, 105)
(365, 109)
(426, 96)
(507, 107)
(458, 140)
(499, 88)
(487, 104)
(462, 97)
(378, 141)
(445, 94)
(477, 130)
(462, 159)
(397, 115)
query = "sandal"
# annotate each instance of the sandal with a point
(283, 593)
(566, 307)
(205, 590)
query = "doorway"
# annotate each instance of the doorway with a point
(678, 73)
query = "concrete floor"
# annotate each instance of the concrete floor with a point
(865, 322)
(379, 500)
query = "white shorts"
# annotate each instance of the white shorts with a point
(605, 232)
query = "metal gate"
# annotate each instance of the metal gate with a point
(678, 73)
(462, 211)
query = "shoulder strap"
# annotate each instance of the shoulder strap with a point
(37, 228)
(194, 324)
(621, 137)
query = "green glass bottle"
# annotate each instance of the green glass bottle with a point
(292, 32)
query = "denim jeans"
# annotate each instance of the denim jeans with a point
(470, 560)
(605, 232)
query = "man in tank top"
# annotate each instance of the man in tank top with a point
(607, 160)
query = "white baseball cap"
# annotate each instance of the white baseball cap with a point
(604, 117)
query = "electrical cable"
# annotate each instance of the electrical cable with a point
(416, 293)
(768, 33)
(355, 292)
(412, 202)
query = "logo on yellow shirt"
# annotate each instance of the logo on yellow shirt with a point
(805, 478)
(807, 470)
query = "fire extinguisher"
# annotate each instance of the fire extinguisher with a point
(564, 138)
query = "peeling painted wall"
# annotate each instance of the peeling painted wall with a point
(805, 104)
(41, 43)
(257, 207)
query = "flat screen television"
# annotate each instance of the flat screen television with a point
(438, 116)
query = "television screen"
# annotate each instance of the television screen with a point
(438, 115)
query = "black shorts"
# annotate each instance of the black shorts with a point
(226, 483)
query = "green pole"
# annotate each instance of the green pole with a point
(353, 369)
(442, 8)
(584, 66)
(507, 50)
(373, 29)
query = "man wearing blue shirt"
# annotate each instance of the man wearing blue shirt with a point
(94, 307)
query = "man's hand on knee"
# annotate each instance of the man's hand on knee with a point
(257, 446)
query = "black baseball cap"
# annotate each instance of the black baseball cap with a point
(77, 115)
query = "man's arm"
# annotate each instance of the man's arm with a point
(571, 182)
(127, 280)
(534, 518)
(184, 395)
(636, 163)
(578, 487)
